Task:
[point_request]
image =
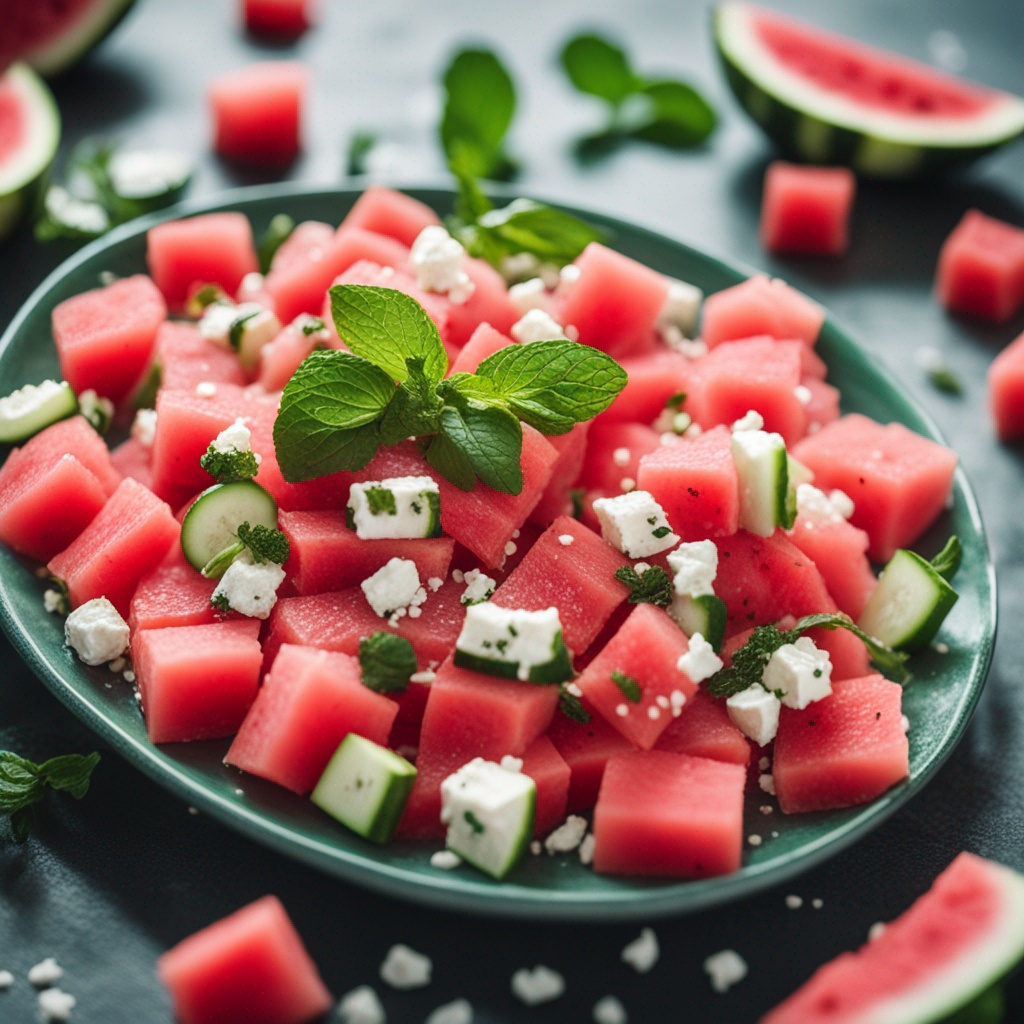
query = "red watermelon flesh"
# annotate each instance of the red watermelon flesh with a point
(760, 306)
(197, 682)
(489, 303)
(74, 436)
(646, 649)
(412, 703)
(550, 773)
(214, 248)
(279, 19)
(843, 750)
(249, 968)
(806, 209)
(669, 815)
(556, 499)
(129, 536)
(309, 702)
(694, 481)
(173, 594)
(483, 342)
(924, 960)
(981, 268)
(760, 374)
(105, 337)
(898, 480)
(839, 551)
(823, 406)
(577, 578)
(615, 302)
(131, 458)
(704, 729)
(326, 555)
(391, 213)
(186, 359)
(280, 358)
(1006, 390)
(614, 451)
(653, 379)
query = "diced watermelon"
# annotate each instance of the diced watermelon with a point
(898, 480)
(105, 337)
(694, 481)
(132, 458)
(556, 499)
(186, 359)
(981, 268)
(483, 342)
(129, 536)
(257, 112)
(576, 578)
(615, 302)
(249, 968)
(326, 555)
(280, 358)
(173, 594)
(843, 750)
(550, 773)
(489, 303)
(806, 209)
(74, 436)
(760, 306)
(614, 451)
(668, 814)
(1006, 390)
(823, 406)
(279, 19)
(214, 248)
(704, 729)
(653, 379)
(390, 213)
(645, 649)
(412, 703)
(197, 682)
(839, 551)
(309, 702)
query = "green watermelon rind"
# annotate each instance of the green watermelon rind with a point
(23, 186)
(813, 126)
(68, 47)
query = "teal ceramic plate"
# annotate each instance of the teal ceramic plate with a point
(939, 701)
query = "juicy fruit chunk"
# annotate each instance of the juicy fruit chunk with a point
(249, 968)
(806, 210)
(387, 212)
(760, 306)
(1006, 390)
(281, 19)
(586, 748)
(704, 729)
(551, 775)
(185, 359)
(173, 594)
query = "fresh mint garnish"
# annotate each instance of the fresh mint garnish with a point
(387, 662)
(942, 378)
(653, 587)
(628, 686)
(947, 561)
(381, 501)
(220, 604)
(313, 325)
(24, 784)
(572, 707)
(205, 296)
(278, 232)
(229, 466)
(264, 544)
(359, 148)
(237, 328)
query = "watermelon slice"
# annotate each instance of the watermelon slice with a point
(1006, 390)
(941, 956)
(826, 99)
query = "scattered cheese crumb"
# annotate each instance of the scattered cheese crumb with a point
(622, 710)
(568, 836)
(654, 713)
(794, 902)
(55, 1005)
(803, 394)
(767, 783)
(941, 648)
(537, 325)
(45, 973)
(446, 860)
(754, 840)
(437, 260)
(144, 427)
(621, 456)
(118, 665)
(435, 583)
(764, 764)
(128, 676)
(527, 295)
(459, 1011)
(6, 980)
(565, 539)
(193, 810)
(361, 1006)
(767, 808)
(609, 1011)
(725, 969)
(423, 677)
(875, 931)
(627, 484)
(574, 689)
(753, 420)
(643, 952)
(541, 985)
(817, 904)
(511, 764)
(206, 389)
(700, 661)
(405, 968)
(53, 601)
(586, 850)
(535, 848)
(510, 548)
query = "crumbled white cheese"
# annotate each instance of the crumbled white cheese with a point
(53, 602)
(767, 783)
(799, 672)
(794, 902)
(817, 904)
(755, 840)
(803, 394)
(218, 317)
(627, 484)
(643, 952)
(622, 710)
(680, 308)
(537, 325)
(446, 860)
(45, 973)
(98, 411)
(394, 588)
(426, 676)
(700, 661)
(565, 539)
(725, 969)
(437, 260)
(904, 723)
(55, 1005)
(236, 438)
(528, 295)
(6, 980)
(250, 588)
(404, 968)
(635, 524)
(814, 506)
(766, 809)
(206, 389)
(621, 456)
(841, 502)
(568, 836)
(397, 508)
(145, 173)
(755, 712)
(541, 985)
(609, 1011)
(459, 1011)
(695, 565)
(434, 583)
(479, 587)
(876, 930)
(586, 850)
(567, 277)
(96, 632)
(361, 1006)
(144, 427)
(81, 214)
(753, 420)
(511, 635)
(764, 763)
(511, 764)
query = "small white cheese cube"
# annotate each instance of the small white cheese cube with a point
(250, 588)
(236, 438)
(753, 420)
(144, 427)
(361, 1006)
(695, 565)
(478, 587)
(800, 672)
(252, 332)
(540, 985)
(510, 635)
(404, 968)
(394, 588)
(725, 969)
(700, 661)
(755, 712)
(96, 632)
(681, 306)
(635, 523)
(397, 507)
(215, 323)
(643, 952)
(536, 325)
(437, 260)
(814, 505)
(528, 295)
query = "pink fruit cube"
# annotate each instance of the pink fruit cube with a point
(391, 213)
(1006, 390)
(806, 210)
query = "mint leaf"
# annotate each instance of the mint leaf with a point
(480, 102)
(24, 783)
(415, 409)
(892, 663)
(748, 662)
(450, 461)
(359, 148)
(469, 385)
(599, 68)
(491, 440)
(279, 230)
(265, 544)
(653, 587)
(572, 707)
(471, 203)
(388, 328)
(544, 231)
(69, 773)
(629, 687)
(942, 378)
(554, 384)
(679, 116)
(947, 561)
(205, 296)
(229, 466)
(387, 661)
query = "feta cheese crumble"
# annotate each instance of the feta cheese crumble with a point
(767, 783)
(479, 587)
(700, 661)
(816, 506)
(144, 427)
(643, 952)
(55, 1005)
(511, 636)
(876, 930)
(394, 589)
(568, 836)
(621, 456)
(96, 632)
(609, 1011)
(794, 902)
(398, 508)
(404, 968)
(752, 420)
(586, 850)
(445, 860)
(6, 980)
(755, 712)
(361, 1006)
(725, 969)
(635, 524)
(459, 1011)
(236, 438)
(250, 588)
(527, 295)
(511, 764)
(437, 260)
(206, 389)
(695, 565)
(679, 310)
(215, 323)
(537, 325)
(541, 985)
(799, 672)
(54, 602)
(45, 973)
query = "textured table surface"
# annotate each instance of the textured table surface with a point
(107, 884)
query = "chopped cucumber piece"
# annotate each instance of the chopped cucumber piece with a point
(365, 786)
(34, 407)
(909, 604)
(249, 332)
(151, 178)
(97, 410)
(211, 523)
(489, 811)
(767, 497)
(514, 644)
(144, 396)
(705, 614)
(400, 507)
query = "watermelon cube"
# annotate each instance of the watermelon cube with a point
(257, 113)
(806, 210)
(483, 342)
(186, 359)
(391, 213)
(694, 481)
(131, 458)
(197, 682)
(551, 775)
(575, 576)
(214, 248)
(823, 405)
(654, 378)
(644, 651)
(614, 451)
(173, 594)
(309, 702)
(557, 499)
(412, 704)
(615, 302)
(843, 750)
(704, 729)
(74, 436)
(760, 306)
(280, 358)
(130, 535)
(489, 303)
(1006, 390)
(981, 268)
(898, 480)
(666, 814)
(277, 19)
(249, 968)
(105, 337)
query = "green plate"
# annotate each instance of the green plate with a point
(939, 701)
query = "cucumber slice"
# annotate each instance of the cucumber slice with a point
(909, 604)
(34, 407)
(514, 644)
(365, 786)
(557, 670)
(704, 614)
(211, 523)
(767, 498)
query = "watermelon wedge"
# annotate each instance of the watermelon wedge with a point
(826, 99)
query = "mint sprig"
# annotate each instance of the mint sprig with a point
(387, 661)
(572, 707)
(278, 231)
(229, 466)
(24, 783)
(947, 561)
(654, 586)
(264, 544)
(339, 407)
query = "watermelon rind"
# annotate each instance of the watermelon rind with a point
(24, 176)
(71, 44)
(814, 125)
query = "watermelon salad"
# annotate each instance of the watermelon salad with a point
(473, 563)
